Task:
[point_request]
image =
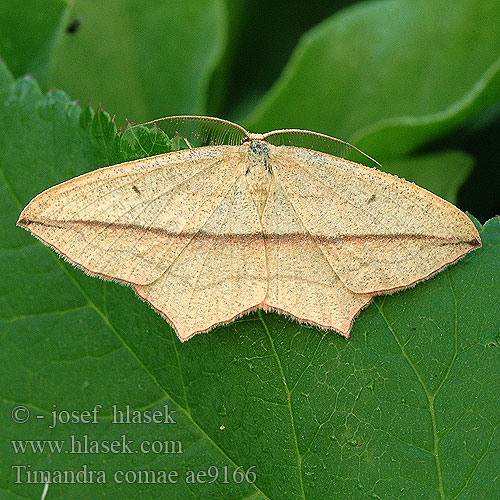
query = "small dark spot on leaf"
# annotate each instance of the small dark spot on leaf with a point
(74, 26)
(413, 328)
(372, 198)
(136, 189)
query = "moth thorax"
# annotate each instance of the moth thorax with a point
(258, 174)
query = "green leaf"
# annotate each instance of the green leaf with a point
(389, 75)
(29, 33)
(406, 408)
(142, 59)
(139, 142)
(259, 46)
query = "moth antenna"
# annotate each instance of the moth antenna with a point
(184, 139)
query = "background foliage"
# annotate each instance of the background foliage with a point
(407, 407)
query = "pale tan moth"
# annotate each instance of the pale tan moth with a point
(271, 221)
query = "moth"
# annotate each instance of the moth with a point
(279, 221)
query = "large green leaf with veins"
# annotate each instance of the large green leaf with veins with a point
(407, 408)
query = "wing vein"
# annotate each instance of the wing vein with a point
(166, 271)
(309, 235)
(410, 250)
(105, 227)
